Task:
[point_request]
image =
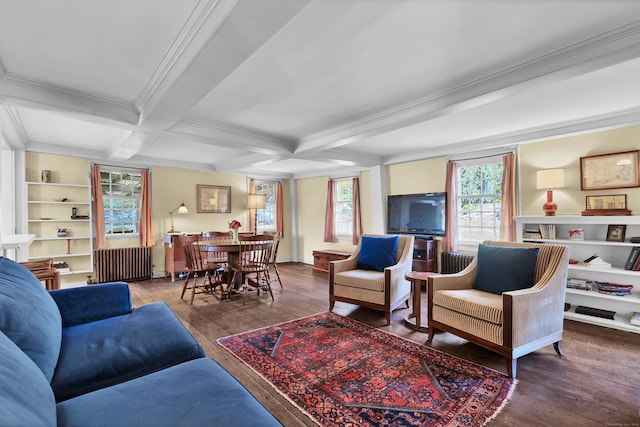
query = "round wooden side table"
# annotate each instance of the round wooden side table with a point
(417, 279)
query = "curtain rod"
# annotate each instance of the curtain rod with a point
(118, 167)
(497, 152)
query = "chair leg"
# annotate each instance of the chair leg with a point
(331, 304)
(558, 347)
(267, 282)
(387, 315)
(275, 267)
(184, 287)
(194, 286)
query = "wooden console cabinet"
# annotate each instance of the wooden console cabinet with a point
(174, 262)
(321, 259)
(425, 255)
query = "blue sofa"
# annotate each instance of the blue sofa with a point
(85, 356)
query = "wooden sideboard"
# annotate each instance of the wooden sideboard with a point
(174, 262)
(322, 258)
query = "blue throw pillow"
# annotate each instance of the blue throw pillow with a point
(504, 268)
(377, 253)
(28, 316)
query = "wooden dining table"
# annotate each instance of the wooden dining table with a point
(232, 248)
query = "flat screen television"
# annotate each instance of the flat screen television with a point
(421, 214)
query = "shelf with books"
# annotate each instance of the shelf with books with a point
(594, 243)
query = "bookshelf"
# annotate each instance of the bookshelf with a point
(47, 212)
(594, 242)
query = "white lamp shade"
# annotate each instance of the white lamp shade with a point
(183, 209)
(549, 178)
(256, 201)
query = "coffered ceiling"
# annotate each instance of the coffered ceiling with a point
(295, 88)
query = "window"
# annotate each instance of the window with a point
(267, 216)
(343, 207)
(479, 199)
(122, 194)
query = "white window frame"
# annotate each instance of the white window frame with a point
(346, 233)
(270, 191)
(463, 217)
(108, 198)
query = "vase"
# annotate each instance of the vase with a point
(234, 234)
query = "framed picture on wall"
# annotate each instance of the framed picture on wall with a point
(213, 198)
(606, 171)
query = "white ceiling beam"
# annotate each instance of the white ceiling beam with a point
(23, 92)
(127, 144)
(233, 137)
(230, 33)
(597, 52)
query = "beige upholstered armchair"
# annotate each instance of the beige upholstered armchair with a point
(384, 288)
(511, 323)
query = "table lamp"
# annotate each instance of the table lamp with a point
(182, 209)
(255, 202)
(548, 179)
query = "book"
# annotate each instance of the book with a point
(633, 256)
(635, 319)
(597, 312)
(636, 264)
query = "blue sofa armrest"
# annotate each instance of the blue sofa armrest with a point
(90, 303)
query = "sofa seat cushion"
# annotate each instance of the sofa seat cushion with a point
(363, 279)
(195, 393)
(473, 326)
(29, 316)
(474, 303)
(26, 398)
(109, 351)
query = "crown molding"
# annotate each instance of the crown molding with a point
(12, 128)
(609, 48)
(618, 119)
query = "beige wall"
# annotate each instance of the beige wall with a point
(565, 153)
(423, 176)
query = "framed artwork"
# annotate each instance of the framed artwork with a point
(614, 201)
(213, 198)
(605, 171)
(615, 233)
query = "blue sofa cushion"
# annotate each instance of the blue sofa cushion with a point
(504, 268)
(195, 393)
(109, 351)
(29, 316)
(91, 303)
(26, 398)
(377, 253)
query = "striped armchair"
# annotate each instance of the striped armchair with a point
(512, 324)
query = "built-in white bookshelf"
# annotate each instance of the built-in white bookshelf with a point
(47, 212)
(594, 242)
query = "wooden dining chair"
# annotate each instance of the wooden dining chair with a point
(198, 266)
(220, 257)
(273, 261)
(255, 252)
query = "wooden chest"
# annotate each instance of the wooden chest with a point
(321, 259)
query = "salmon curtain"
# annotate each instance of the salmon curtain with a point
(279, 209)
(450, 241)
(146, 219)
(357, 217)
(329, 229)
(98, 208)
(252, 212)
(508, 206)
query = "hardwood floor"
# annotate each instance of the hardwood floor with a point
(596, 383)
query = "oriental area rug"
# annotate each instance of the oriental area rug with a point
(341, 372)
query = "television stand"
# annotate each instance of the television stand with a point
(425, 254)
